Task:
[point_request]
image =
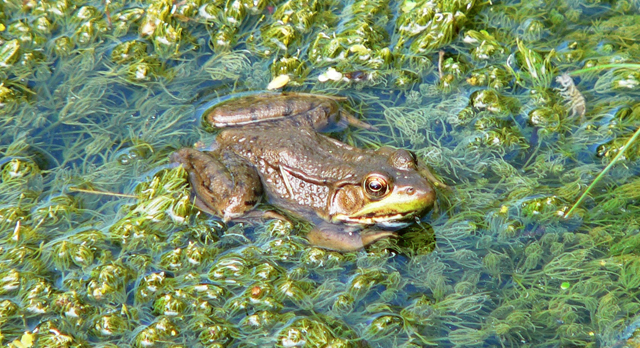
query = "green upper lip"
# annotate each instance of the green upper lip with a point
(392, 208)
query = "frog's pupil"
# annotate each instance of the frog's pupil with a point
(375, 186)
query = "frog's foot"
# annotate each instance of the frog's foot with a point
(262, 215)
(423, 169)
(335, 238)
(354, 121)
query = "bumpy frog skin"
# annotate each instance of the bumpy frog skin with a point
(271, 146)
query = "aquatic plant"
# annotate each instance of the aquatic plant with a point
(534, 243)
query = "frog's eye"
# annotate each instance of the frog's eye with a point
(376, 186)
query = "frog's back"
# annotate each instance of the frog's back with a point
(296, 147)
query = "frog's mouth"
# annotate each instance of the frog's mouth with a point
(394, 212)
(388, 220)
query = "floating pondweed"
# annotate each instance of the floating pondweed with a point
(486, 46)
(605, 170)
(100, 244)
(535, 69)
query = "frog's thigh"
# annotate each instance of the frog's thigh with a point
(261, 108)
(336, 238)
(224, 185)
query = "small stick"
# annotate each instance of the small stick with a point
(107, 12)
(604, 171)
(440, 60)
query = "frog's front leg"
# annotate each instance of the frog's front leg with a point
(342, 238)
(224, 184)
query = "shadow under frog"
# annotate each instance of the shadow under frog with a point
(270, 145)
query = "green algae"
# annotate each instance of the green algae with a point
(99, 245)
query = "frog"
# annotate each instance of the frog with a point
(276, 147)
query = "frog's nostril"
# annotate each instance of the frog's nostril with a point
(410, 190)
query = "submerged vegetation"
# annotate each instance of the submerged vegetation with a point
(530, 111)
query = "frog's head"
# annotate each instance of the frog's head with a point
(390, 196)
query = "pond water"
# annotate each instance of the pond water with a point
(517, 106)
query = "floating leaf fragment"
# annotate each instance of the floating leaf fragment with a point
(407, 6)
(331, 74)
(26, 341)
(278, 82)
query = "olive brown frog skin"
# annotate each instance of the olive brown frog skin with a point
(270, 145)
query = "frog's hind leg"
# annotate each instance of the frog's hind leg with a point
(259, 108)
(224, 184)
(321, 112)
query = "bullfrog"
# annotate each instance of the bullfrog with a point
(272, 146)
